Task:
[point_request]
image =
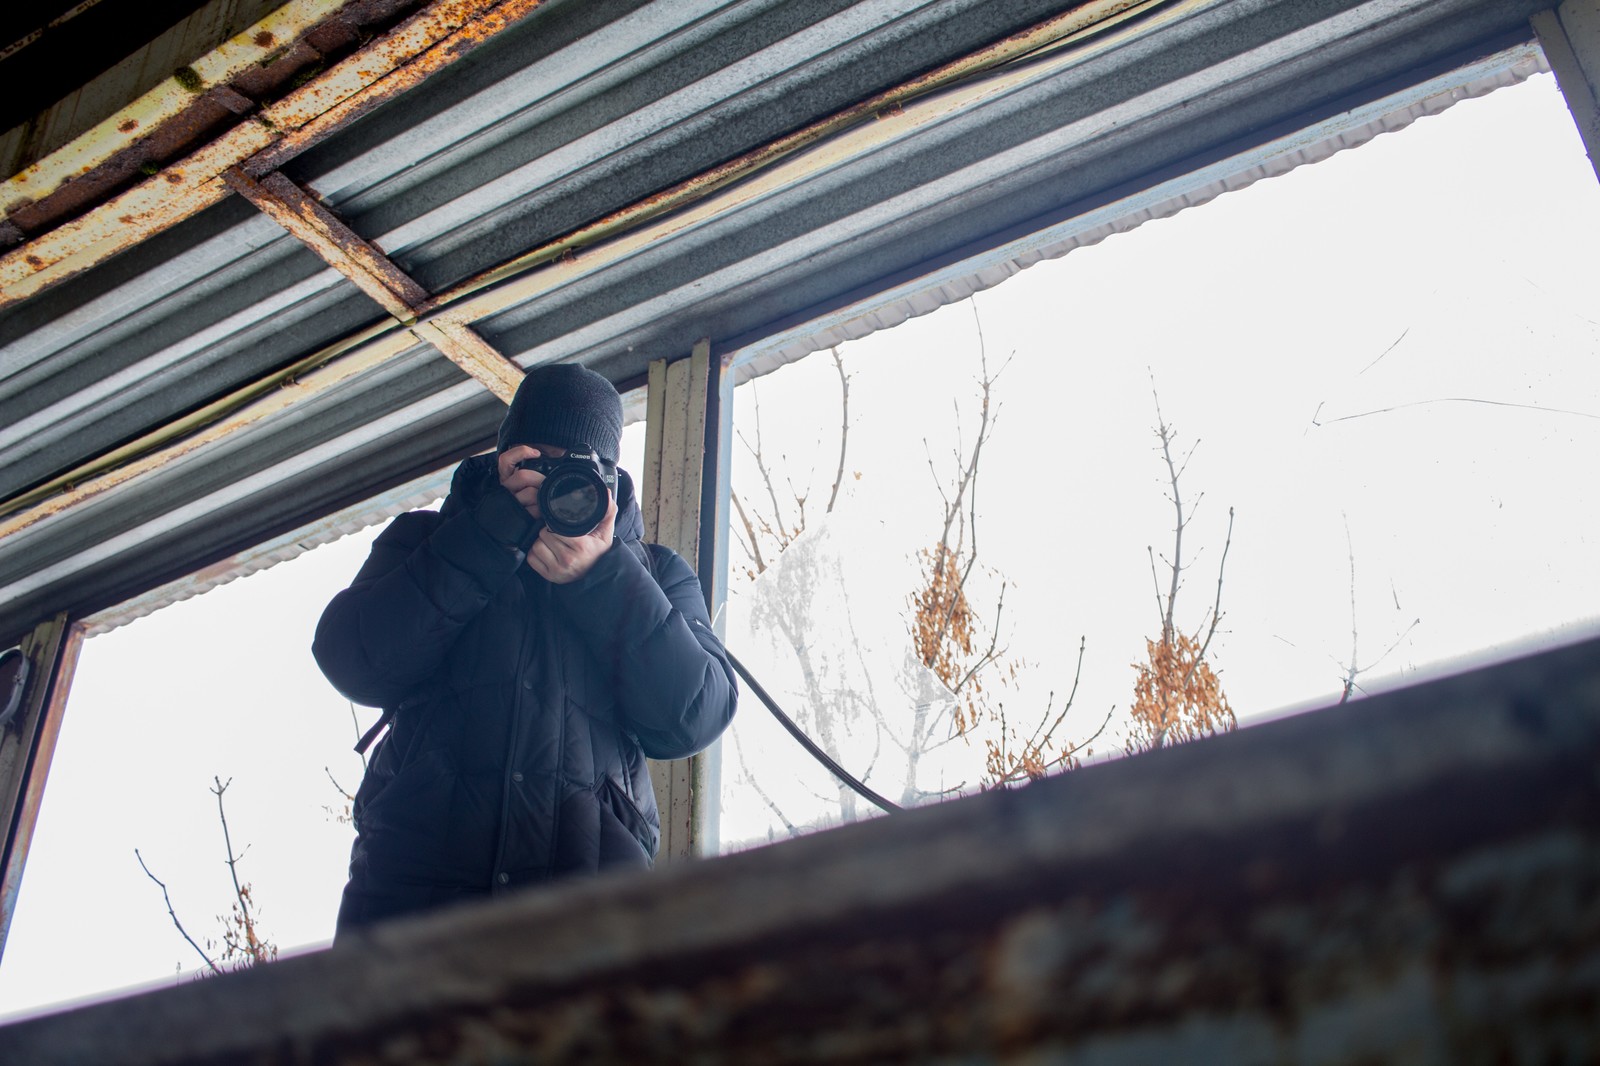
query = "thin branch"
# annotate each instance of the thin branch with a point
(1459, 399)
(752, 548)
(247, 920)
(844, 424)
(174, 914)
(1415, 622)
(340, 788)
(355, 722)
(1083, 644)
(792, 829)
(227, 842)
(1165, 434)
(1216, 608)
(1386, 351)
(991, 653)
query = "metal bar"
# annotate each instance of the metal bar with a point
(27, 747)
(1410, 878)
(166, 101)
(296, 211)
(548, 268)
(233, 413)
(1570, 37)
(878, 118)
(676, 463)
(463, 346)
(432, 39)
(712, 556)
(655, 426)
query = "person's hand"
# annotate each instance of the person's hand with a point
(523, 484)
(561, 560)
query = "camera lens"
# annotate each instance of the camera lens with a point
(573, 502)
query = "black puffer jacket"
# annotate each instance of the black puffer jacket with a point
(525, 710)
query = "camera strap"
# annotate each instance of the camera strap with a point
(648, 559)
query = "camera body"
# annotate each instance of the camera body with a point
(576, 492)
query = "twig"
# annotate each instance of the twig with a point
(174, 914)
(753, 548)
(1461, 399)
(844, 424)
(1386, 351)
(252, 942)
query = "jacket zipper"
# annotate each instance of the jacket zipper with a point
(520, 692)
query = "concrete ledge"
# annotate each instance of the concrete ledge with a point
(1412, 878)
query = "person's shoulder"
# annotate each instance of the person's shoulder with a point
(412, 527)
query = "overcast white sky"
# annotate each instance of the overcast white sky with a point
(1457, 456)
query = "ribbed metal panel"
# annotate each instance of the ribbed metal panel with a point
(582, 109)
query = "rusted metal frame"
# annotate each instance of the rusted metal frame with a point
(340, 247)
(128, 126)
(395, 291)
(1082, 22)
(1570, 38)
(423, 44)
(624, 233)
(1412, 878)
(464, 347)
(684, 423)
(27, 746)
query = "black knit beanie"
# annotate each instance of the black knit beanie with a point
(567, 405)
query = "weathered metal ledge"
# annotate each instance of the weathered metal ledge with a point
(1413, 878)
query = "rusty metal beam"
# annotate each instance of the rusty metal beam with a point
(133, 123)
(303, 216)
(432, 39)
(27, 746)
(372, 271)
(883, 116)
(462, 346)
(589, 248)
(1411, 878)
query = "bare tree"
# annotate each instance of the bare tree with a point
(950, 636)
(1177, 695)
(243, 944)
(1353, 668)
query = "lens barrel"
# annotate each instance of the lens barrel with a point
(573, 501)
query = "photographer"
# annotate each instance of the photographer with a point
(525, 674)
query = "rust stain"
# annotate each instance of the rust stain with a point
(375, 34)
(174, 177)
(128, 126)
(264, 39)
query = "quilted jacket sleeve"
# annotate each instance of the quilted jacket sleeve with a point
(673, 682)
(425, 579)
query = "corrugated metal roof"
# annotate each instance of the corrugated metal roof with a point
(799, 216)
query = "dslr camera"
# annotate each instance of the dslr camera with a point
(577, 490)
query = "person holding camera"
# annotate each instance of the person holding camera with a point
(529, 652)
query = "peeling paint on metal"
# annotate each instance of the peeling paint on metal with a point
(166, 101)
(422, 45)
(464, 347)
(317, 227)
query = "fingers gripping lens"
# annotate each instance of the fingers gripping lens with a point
(575, 493)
